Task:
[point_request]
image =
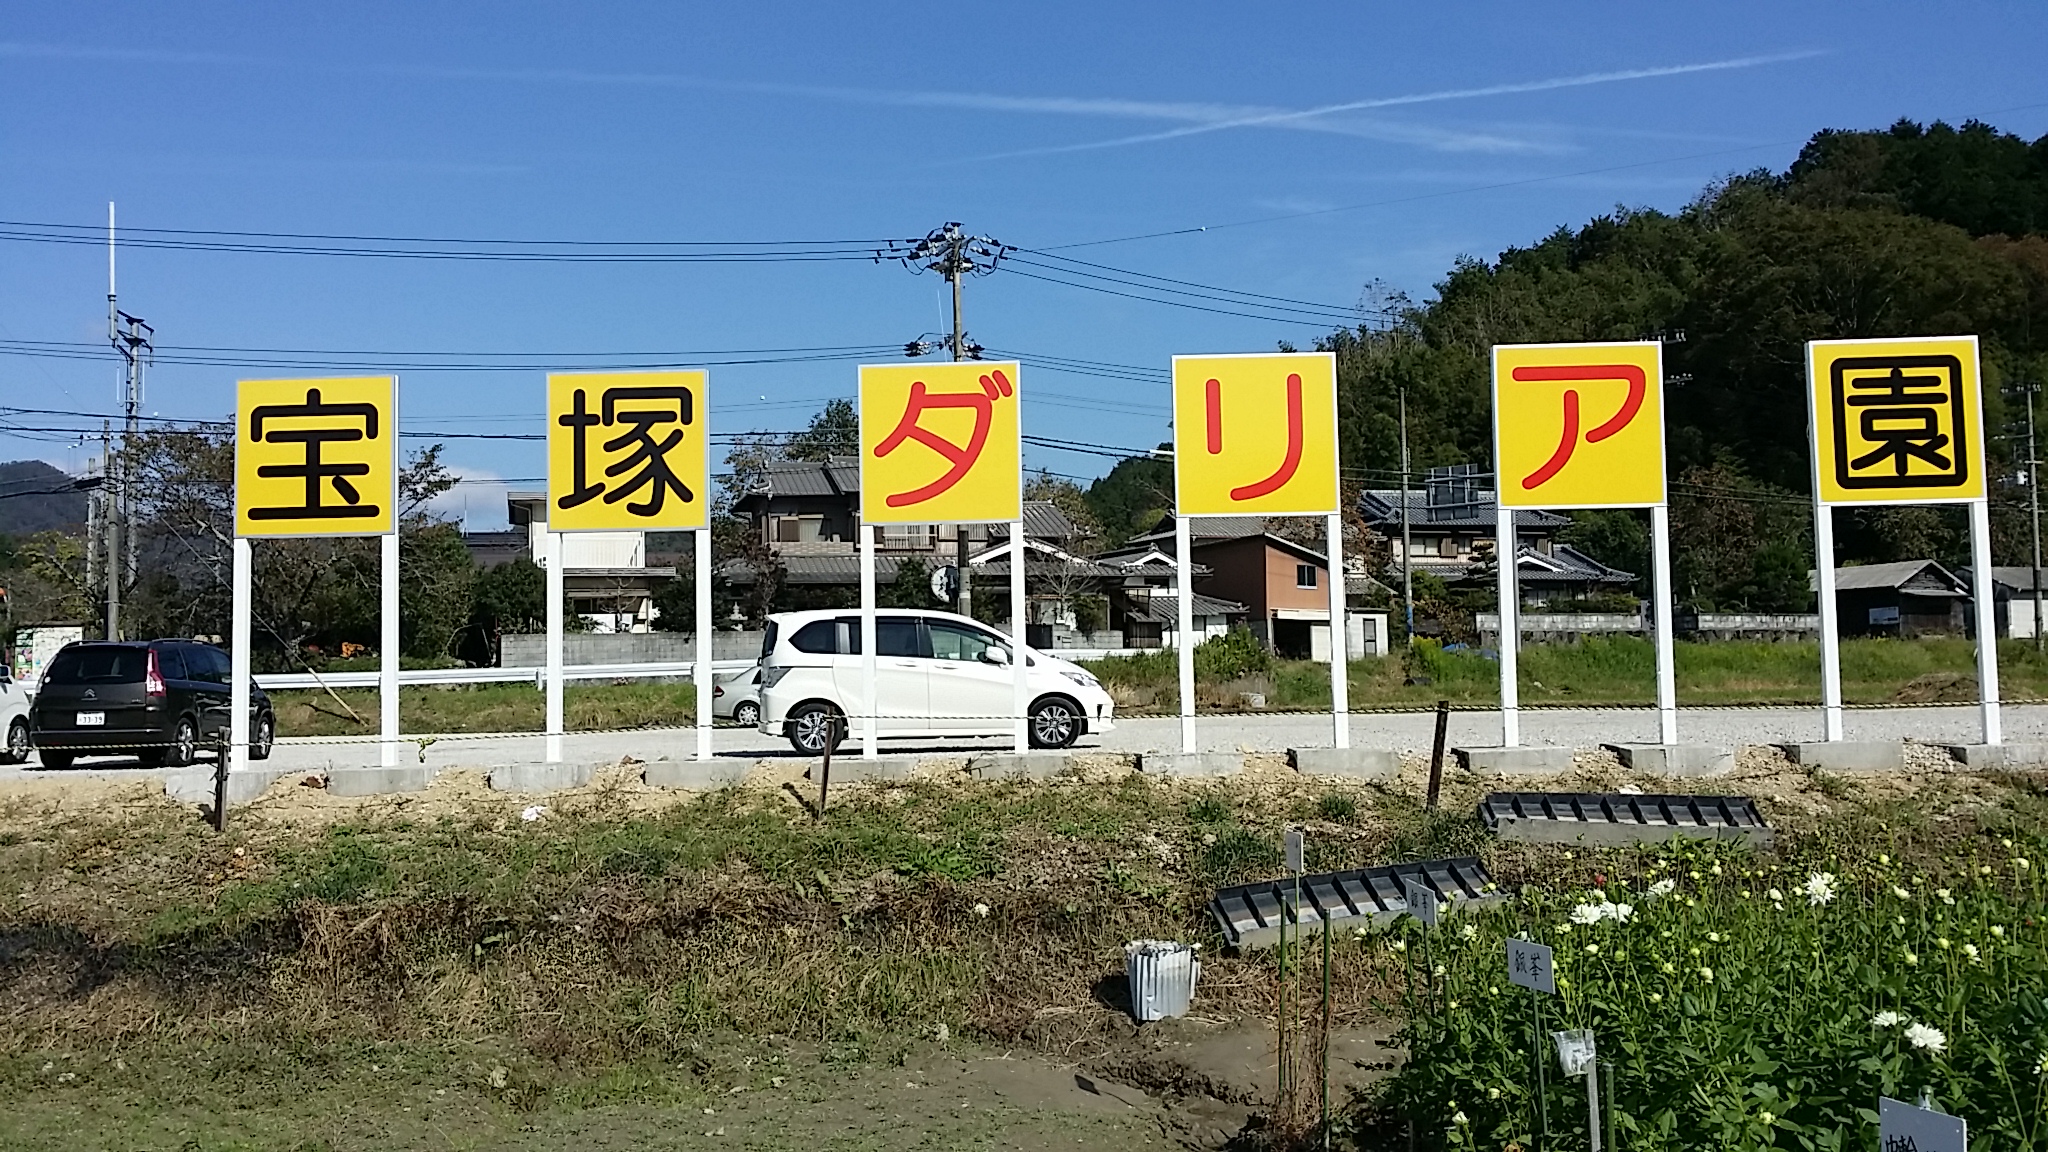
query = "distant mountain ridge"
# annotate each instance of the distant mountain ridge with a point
(36, 497)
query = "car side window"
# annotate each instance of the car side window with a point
(170, 662)
(899, 636)
(818, 638)
(958, 642)
(218, 667)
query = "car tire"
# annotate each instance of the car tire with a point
(810, 726)
(184, 746)
(746, 712)
(262, 737)
(1055, 722)
(56, 761)
(18, 743)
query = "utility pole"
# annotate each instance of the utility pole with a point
(108, 563)
(2034, 501)
(132, 337)
(1407, 576)
(956, 256)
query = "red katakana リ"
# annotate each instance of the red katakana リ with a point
(995, 385)
(1638, 385)
(1289, 463)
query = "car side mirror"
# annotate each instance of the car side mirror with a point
(995, 656)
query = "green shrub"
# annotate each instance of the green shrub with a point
(1227, 657)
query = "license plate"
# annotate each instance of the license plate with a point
(92, 719)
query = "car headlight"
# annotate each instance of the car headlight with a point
(1083, 678)
(772, 674)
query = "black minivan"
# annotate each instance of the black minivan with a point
(157, 700)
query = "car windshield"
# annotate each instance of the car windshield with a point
(98, 666)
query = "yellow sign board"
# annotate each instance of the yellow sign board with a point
(1255, 435)
(1896, 421)
(627, 451)
(939, 443)
(1579, 425)
(316, 457)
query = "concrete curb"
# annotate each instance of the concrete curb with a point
(695, 775)
(195, 785)
(854, 770)
(1675, 759)
(1983, 757)
(1533, 760)
(1848, 755)
(1191, 764)
(1012, 766)
(1351, 763)
(379, 781)
(541, 777)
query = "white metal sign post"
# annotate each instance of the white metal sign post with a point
(942, 444)
(314, 458)
(1899, 421)
(556, 590)
(628, 452)
(1256, 435)
(1580, 426)
(705, 630)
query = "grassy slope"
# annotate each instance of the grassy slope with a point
(611, 956)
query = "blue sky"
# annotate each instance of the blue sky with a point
(1323, 147)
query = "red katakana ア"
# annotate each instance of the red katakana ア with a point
(1638, 386)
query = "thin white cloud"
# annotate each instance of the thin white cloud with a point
(1192, 117)
(1310, 115)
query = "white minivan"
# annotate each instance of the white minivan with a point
(936, 674)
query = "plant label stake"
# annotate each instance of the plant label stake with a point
(1534, 967)
(1296, 851)
(1436, 754)
(1422, 900)
(1578, 1055)
(825, 767)
(1903, 1127)
(220, 786)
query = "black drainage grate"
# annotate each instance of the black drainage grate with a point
(1251, 914)
(1602, 819)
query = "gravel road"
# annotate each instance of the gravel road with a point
(1728, 727)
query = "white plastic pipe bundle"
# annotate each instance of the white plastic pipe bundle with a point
(1162, 975)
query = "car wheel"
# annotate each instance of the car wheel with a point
(813, 726)
(1055, 723)
(56, 761)
(184, 746)
(263, 737)
(17, 744)
(747, 712)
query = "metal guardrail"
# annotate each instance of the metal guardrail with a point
(1251, 915)
(686, 669)
(1615, 818)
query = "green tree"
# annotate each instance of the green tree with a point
(911, 587)
(834, 431)
(436, 586)
(510, 597)
(1130, 498)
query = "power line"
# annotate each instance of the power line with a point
(1221, 295)
(1323, 322)
(93, 230)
